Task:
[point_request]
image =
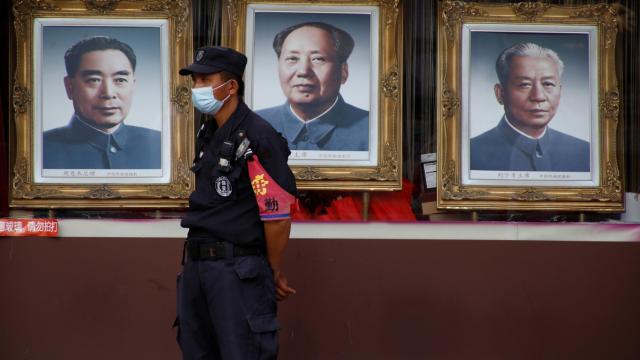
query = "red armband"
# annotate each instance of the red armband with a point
(274, 202)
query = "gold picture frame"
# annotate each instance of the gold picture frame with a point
(250, 25)
(467, 107)
(160, 34)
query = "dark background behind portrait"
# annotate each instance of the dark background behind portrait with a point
(266, 84)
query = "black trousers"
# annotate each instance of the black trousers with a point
(227, 309)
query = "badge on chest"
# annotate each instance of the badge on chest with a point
(223, 186)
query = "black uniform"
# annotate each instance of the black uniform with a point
(226, 294)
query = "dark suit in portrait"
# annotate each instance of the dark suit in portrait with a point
(504, 149)
(343, 128)
(80, 146)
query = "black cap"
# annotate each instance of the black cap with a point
(213, 59)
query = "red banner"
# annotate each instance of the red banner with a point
(273, 201)
(29, 227)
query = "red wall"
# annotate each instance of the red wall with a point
(113, 298)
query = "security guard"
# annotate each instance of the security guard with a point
(238, 220)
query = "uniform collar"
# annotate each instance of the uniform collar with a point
(97, 138)
(527, 144)
(522, 133)
(234, 121)
(315, 131)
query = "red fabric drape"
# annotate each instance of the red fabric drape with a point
(392, 206)
(384, 206)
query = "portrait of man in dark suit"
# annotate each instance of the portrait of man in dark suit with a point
(529, 89)
(312, 66)
(100, 81)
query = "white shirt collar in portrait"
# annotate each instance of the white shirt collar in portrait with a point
(317, 117)
(523, 134)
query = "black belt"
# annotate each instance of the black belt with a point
(197, 250)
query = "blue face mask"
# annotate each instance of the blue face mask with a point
(204, 100)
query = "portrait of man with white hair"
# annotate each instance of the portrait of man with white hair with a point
(529, 89)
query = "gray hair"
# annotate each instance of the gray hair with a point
(503, 64)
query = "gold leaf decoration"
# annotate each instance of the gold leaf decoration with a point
(102, 191)
(530, 10)
(606, 16)
(182, 99)
(453, 11)
(309, 173)
(22, 9)
(391, 83)
(177, 9)
(389, 168)
(19, 178)
(101, 6)
(610, 105)
(391, 7)
(612, 189)
(450, 103)
(182, 187)
(451, 186)
(21, 187)
(232, 10)
(21, 98)
(531, 194)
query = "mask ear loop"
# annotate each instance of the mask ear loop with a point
(219, 86)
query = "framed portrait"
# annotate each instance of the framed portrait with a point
(102, 117)
(327, 77)
(528, 107)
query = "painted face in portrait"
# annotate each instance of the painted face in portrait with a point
(102, 88)
(310, 74)
(531, 95)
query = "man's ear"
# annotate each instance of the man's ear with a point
(497, 88)
(235, 86)
(68, 86)
(344, 73)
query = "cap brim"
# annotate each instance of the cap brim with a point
(199, 69)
